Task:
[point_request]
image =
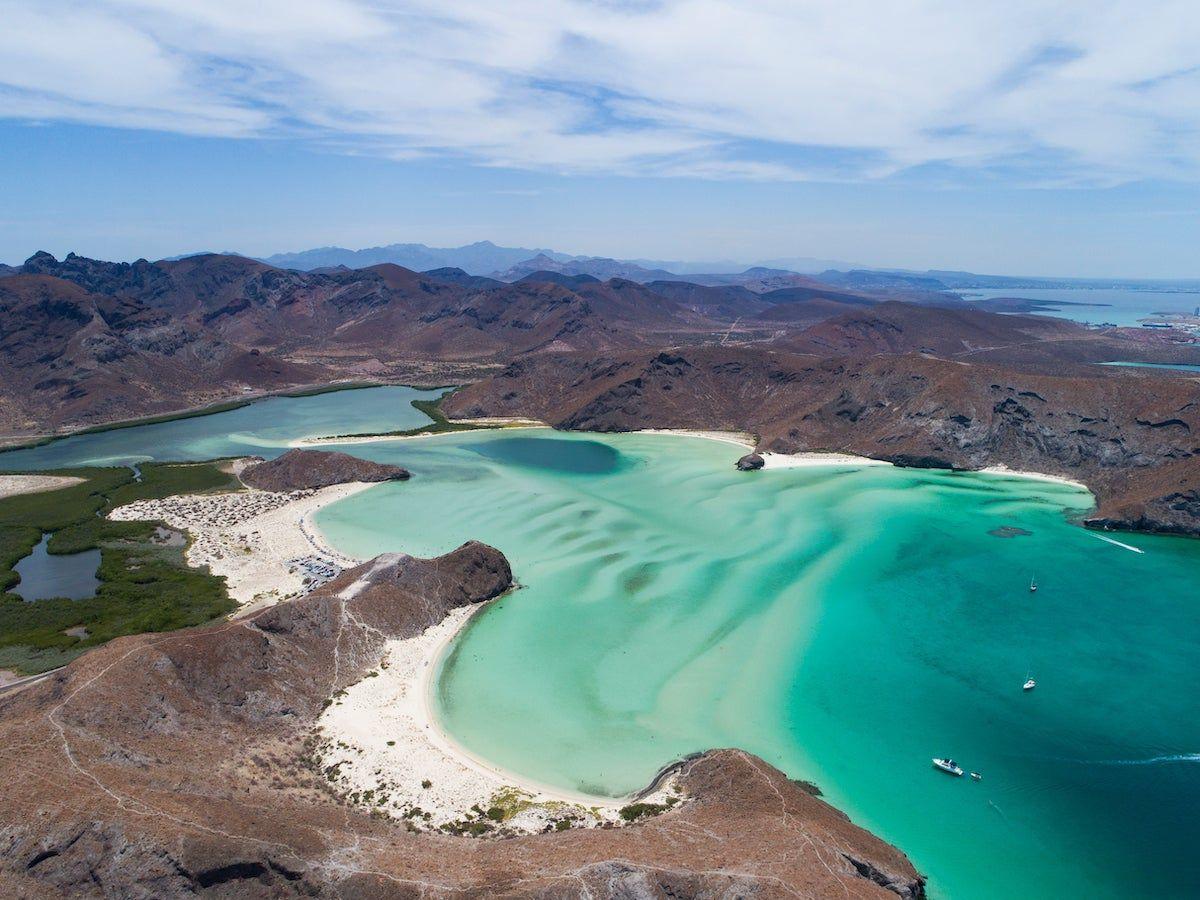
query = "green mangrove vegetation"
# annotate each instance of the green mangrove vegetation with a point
(145, 584)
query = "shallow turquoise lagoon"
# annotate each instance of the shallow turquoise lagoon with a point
(263, 428)
(846, 624)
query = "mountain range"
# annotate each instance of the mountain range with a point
(801, 362)
(487, 258)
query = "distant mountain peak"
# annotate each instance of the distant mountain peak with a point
(479, 258)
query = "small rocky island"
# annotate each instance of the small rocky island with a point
(306, 470)
(750, 462)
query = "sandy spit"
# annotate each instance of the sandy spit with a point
(12, 485)
(263, 543)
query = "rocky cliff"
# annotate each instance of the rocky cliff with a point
(179, 764)
(300, 470)
(1132, 439)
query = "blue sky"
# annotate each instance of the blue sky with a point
(1001, 137)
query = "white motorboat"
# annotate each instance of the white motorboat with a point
(949, 766)
(1029, 685)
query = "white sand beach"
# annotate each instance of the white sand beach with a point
(1040, 476)
(263, 543)
(737, 438)
(12, 485)
(807, 459)
(381, 745)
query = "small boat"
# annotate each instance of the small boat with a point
(1029, 685)
(1032, 586)
(976, 776)
(949, 766)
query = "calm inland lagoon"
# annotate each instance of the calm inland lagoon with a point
(263, 428)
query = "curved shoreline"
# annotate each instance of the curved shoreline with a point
(416, 691)
(427, 684)
(291, 529)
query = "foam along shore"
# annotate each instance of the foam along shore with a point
(264, 543)
(12, 485)
(381, 745)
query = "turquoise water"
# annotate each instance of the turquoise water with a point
(1123, 307)
(263, 428)
(1180, 367)
(45, 575)
(845, 624)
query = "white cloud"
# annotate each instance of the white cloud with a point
(1076, 92)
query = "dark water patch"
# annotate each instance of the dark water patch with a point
(557, 455)
(638, 577)
(1009, 531)
(45, 575)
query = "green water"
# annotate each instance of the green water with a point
(263, 428)
(845, 624)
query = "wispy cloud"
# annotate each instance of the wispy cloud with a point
(1016, 90)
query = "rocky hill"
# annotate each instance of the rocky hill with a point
(70, 355)
(89, 341)
(302, 470)
(1131, 439)
(179, 764)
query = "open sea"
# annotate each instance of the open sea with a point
(1115, 306)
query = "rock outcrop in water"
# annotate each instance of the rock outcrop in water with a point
(179, 764)
(750, 462)
(301, 470)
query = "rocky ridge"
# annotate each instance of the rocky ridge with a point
(1132, 440)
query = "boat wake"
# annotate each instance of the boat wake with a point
(1109, 540)
(1149, 761)
(1152, 761)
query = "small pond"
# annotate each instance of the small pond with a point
(45, 575)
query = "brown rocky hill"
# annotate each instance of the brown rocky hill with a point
(69, 355)
(303, 470)
(1132, 439)
(177, 765)
(91, 341)
(895, 327)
